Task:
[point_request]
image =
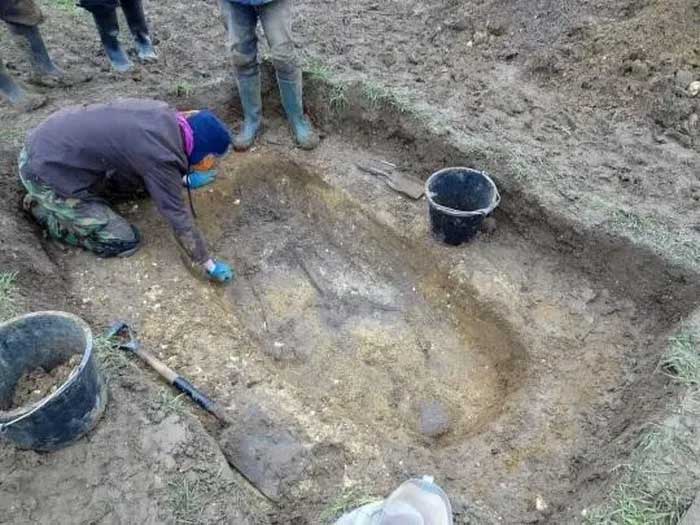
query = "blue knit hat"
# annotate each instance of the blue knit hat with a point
(211, 136)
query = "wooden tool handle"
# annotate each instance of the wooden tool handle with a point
(156, 364)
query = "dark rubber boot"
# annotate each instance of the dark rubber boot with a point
(29, 39)
(20, 99)
(108, 27)
(291, 94)
(251, 100)
(135, 17)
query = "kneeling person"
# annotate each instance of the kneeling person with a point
(83, 156)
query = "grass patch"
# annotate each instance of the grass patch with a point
(168, 404)
(651, 231)
(378, 96)
(187, 501)
(317, 70)
(345, 502)
(112, 359)
(663, 476)
(182, 89)
(337, 89)
(337, 97)
(682, 361)
(65, 5)
(8, 289)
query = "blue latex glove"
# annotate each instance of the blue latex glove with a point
(197, 179)
(221, 272)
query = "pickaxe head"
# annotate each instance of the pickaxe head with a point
(123, 335)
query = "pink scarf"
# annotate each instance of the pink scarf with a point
(186, 131)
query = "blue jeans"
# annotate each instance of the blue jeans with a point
(276, 19)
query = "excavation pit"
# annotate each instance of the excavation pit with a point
(498, 367)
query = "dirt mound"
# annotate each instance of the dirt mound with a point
(38, 383)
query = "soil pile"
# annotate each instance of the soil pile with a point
(38, 383)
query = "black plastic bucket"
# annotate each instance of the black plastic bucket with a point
(458, 201)
(46, 340)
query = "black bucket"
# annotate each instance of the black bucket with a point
(46, 340)
(458, 201)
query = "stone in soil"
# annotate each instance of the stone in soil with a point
(37, 383)
(434, 420)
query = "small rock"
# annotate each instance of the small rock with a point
(694, 88)
(496, 28)
(389, 59)
(434, 420)
(459, 25)
(638, 69)
(541, 504)
(489, 225)
(480, 37)
(683, 78)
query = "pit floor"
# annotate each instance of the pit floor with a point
(346, 318)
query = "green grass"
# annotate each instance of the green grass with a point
(378, 95)
(8, 289)
(182, 89)
(187, 501)
(66, 5)
(317, 70)
(682, 361)
(337, 89)
(345, 502)
(662, 477)
(168, 404)
(111, 358)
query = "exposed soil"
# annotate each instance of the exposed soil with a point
(36, 384)
(517, 370)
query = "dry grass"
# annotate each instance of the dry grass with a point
(663, 475)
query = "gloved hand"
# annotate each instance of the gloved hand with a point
(220, 272)
(197, 179)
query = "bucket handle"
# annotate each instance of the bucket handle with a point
(496, 201)
(8, 424)
(463, 213)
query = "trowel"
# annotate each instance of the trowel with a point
(397, 181)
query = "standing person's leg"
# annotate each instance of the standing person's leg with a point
(19, 98)
(135, 17)
(104, 13)
(241, 21)
(23, 18)
(276, 18)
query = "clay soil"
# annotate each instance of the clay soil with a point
(538, 343)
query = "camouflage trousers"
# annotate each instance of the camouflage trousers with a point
(21, 12)
(92, 225)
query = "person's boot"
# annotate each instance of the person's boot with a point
(108, 28)
(291, 94)
(133, 11)
(29, 39)
(18, 98)
(251, 101)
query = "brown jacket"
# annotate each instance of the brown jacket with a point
(117, 149)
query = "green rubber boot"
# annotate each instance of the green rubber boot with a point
(291, 95)
(251, 101)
